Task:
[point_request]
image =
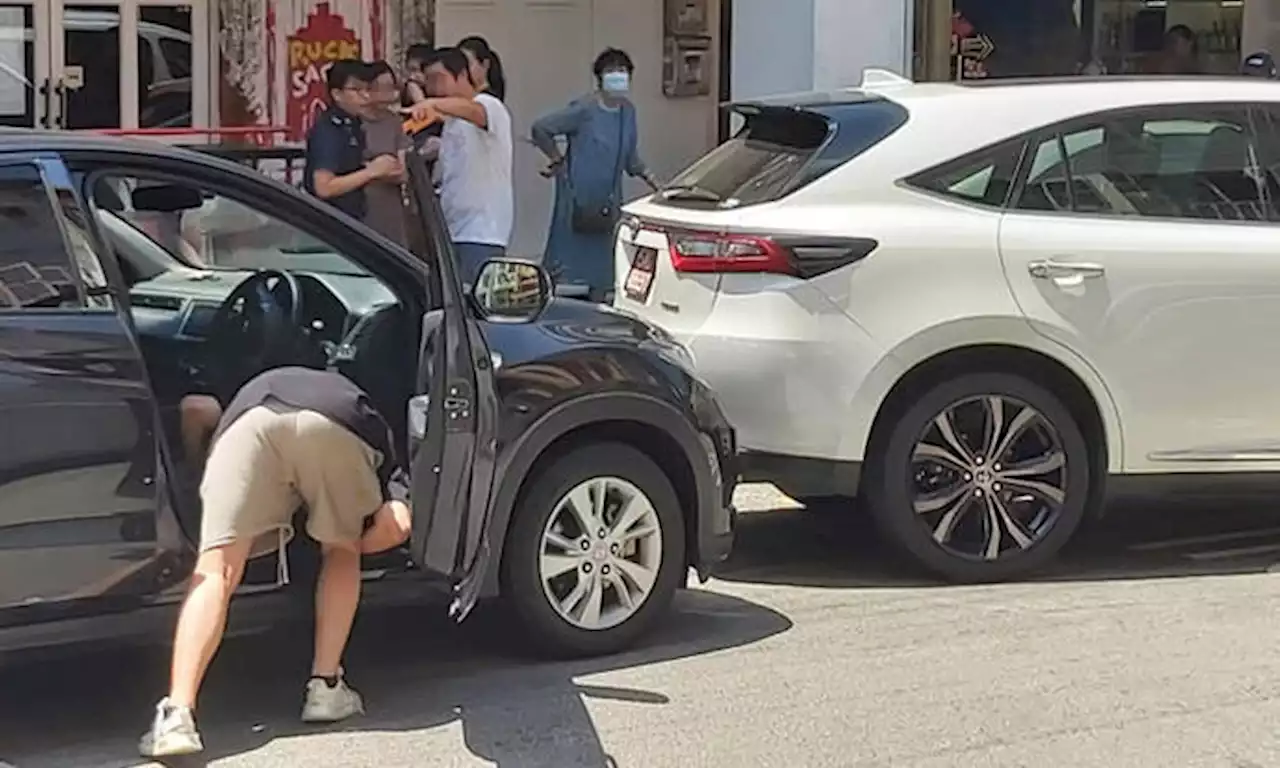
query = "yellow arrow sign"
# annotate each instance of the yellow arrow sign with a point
(977, 48)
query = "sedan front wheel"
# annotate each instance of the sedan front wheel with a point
(595, 552)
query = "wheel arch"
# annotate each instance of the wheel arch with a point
(975, 344)
(642, 422)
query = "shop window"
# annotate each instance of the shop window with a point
(1201, 166)
(1039, 38)
(982, 177)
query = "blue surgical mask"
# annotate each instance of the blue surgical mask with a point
(615, 82)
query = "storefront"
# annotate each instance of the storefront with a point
(969, 39)
(94, 64)
(216, 70)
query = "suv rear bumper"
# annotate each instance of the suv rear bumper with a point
(799, 476)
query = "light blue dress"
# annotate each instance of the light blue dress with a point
(602, 145)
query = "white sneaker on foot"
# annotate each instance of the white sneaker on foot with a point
(173, 733)
(329, 704)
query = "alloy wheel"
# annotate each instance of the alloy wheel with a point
(600, 554)
(989, 477)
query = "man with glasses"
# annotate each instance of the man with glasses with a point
(336, 170)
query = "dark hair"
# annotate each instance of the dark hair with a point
(419, 53)
(479, 47)
(453, 60)
(1184, 32)
(344, 71)
(377, 69)
(612, 58)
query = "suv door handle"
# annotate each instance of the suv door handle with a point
(1065, 269)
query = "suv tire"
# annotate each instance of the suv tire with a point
(896, 484)
(544, 509)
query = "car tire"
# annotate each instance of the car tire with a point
(544, 508)
(907, 498)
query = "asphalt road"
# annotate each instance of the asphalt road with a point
(1151, 644)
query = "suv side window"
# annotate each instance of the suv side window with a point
(36, 270)
(1266, 122)
(1190, 163)
(985, 176)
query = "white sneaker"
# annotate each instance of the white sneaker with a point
(173, 733)
(329, 704)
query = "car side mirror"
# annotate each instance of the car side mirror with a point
(508, 290)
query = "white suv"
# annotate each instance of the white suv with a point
(980, 307)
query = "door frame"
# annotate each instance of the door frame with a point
(456, 403)
(54, 60)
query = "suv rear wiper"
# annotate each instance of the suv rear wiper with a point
(690, 192)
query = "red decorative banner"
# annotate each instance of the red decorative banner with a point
(313, 48)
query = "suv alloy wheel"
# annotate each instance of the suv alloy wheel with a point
(985, 477)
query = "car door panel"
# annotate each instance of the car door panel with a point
(1148, 254)
(79, 497)
(1178, 317)
(455, 408)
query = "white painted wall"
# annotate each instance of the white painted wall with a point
(1261, 28)
(782, 46)
(772, 48)
(547, 47)
(851, 35)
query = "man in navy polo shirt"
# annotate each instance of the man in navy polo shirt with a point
(336, 170)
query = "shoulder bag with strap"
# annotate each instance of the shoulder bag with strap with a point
(599, 218)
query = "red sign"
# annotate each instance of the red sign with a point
(313, 48)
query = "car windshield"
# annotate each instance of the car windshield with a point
(224, 234)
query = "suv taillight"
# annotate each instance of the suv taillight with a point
(709, 252)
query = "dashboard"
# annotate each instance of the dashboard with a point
(181, 304)
(173, 313)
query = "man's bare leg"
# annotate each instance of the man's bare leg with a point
(337, 596)
(199, 415)
(201, 624)
(203, 618)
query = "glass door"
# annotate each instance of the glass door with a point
(87, 56)
(137, 65)
(25, 92)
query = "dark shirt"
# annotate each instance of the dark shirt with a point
(333, 396)
(386, 212)
(336, 144)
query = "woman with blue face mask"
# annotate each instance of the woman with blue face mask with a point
(600, 141)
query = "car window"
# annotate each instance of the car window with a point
(781, 149)
(1202, 165)
(36, 267)
(1267, 129)
(983, 177)
(177, 55)
(214, 231)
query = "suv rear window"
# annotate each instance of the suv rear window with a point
(781, 149)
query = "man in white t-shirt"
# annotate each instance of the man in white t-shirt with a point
(476, 194)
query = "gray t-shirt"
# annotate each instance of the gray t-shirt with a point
(386, 198)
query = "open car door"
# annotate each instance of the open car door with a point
(452, 417)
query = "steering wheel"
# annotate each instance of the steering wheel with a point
(257, 326)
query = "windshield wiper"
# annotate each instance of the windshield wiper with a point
(690, 192)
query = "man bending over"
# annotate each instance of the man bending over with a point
(290, 437)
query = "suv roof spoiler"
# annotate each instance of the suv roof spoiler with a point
(875, 78)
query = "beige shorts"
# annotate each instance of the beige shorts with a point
(273, 460)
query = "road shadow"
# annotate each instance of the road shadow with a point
(416, 670)
(837, 546)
